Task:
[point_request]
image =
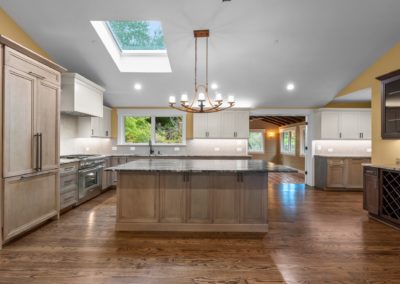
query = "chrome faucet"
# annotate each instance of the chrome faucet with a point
(151, 148)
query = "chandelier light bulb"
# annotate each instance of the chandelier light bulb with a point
(184, 98)
(218, 97)
(231, 99)
(202, 97)
(172, 99)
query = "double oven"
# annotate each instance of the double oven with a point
(90, 172)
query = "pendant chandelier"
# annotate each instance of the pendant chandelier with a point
(201, 102)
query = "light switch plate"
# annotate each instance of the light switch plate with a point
(132, 148)
(216, 149)
(176, 149)
(114, 148)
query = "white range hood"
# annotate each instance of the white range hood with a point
(80, 96)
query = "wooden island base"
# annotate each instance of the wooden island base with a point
(188, 201)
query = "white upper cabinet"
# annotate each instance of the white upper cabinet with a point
(95, 126)
(80, 96)
(225, 124)
(330, 125)
(354, 124)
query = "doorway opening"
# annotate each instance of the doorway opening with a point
(280, 140)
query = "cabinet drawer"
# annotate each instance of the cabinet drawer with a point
(68, 181)
(23, 63)
(68, 198)
(70, 169)
(371, 171)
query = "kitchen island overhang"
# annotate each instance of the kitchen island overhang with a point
(194, 195)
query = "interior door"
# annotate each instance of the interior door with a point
(47, 120)
(19, 142)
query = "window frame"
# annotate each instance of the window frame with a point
(290, 130)
(262, 131)
(122, 113)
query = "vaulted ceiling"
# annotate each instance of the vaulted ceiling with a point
(256, 46)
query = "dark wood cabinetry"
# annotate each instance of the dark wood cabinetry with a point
(382, 194)
(390, 120)
(371, 190)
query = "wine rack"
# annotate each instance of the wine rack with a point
(390, 199)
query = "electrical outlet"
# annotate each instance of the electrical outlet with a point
(216, 149)
(132, 148)
(114, 148)
(177, 149)
(239, 149)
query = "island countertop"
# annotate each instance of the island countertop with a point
(193, 165)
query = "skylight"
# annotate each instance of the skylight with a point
(143, 35)
(135, 46)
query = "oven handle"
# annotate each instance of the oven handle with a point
(87, 170)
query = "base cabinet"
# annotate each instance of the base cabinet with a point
(192, 202)
(29, 201)
(371, 190)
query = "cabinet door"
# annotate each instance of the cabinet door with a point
(18, 152)
(106, 122)
(199, 199)
(364, 119)
(226, 199)
(371, 191)
(330, 125)
(214, 125)
(138, 197)
(354, 172)
(253, 196)
(47, 121)
(349, 125)
(28, 201)
(228, 127)
(200, 125)
(242, 122)
(96, 127)
(336, 173)
(172, 197)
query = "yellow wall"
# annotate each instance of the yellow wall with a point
(10, 29)
(383, 151)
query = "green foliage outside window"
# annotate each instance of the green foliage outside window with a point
(256, 141)
(140, 35)
(137, 129)
(169, 130)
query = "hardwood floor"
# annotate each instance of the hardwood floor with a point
(278, 178)
(315, 237)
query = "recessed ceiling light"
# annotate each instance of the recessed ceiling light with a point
(214, 86)
(290, 87)
(137, 86)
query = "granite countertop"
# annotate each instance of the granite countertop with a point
(343, 156)
(192, 165)
(392, 167)
(179, 156)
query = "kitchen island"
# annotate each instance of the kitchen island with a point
(194, 195)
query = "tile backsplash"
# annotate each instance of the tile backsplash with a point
(342, 147)
(70, 144)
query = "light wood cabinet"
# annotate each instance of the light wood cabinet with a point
(99, 127)
(139, 197)
(339, 173)
(226, 203)
(344, 124)
(253, 207)
(20, 143)
(30, 97)
(173, 198)
(31, 123)
(199, 197)
(226, 124)
(28, 201)
(336, 173)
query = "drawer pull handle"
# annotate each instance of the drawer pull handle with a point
(36, 75)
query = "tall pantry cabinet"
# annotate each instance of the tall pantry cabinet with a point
(30, 139)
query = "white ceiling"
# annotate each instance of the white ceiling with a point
(256, 46)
